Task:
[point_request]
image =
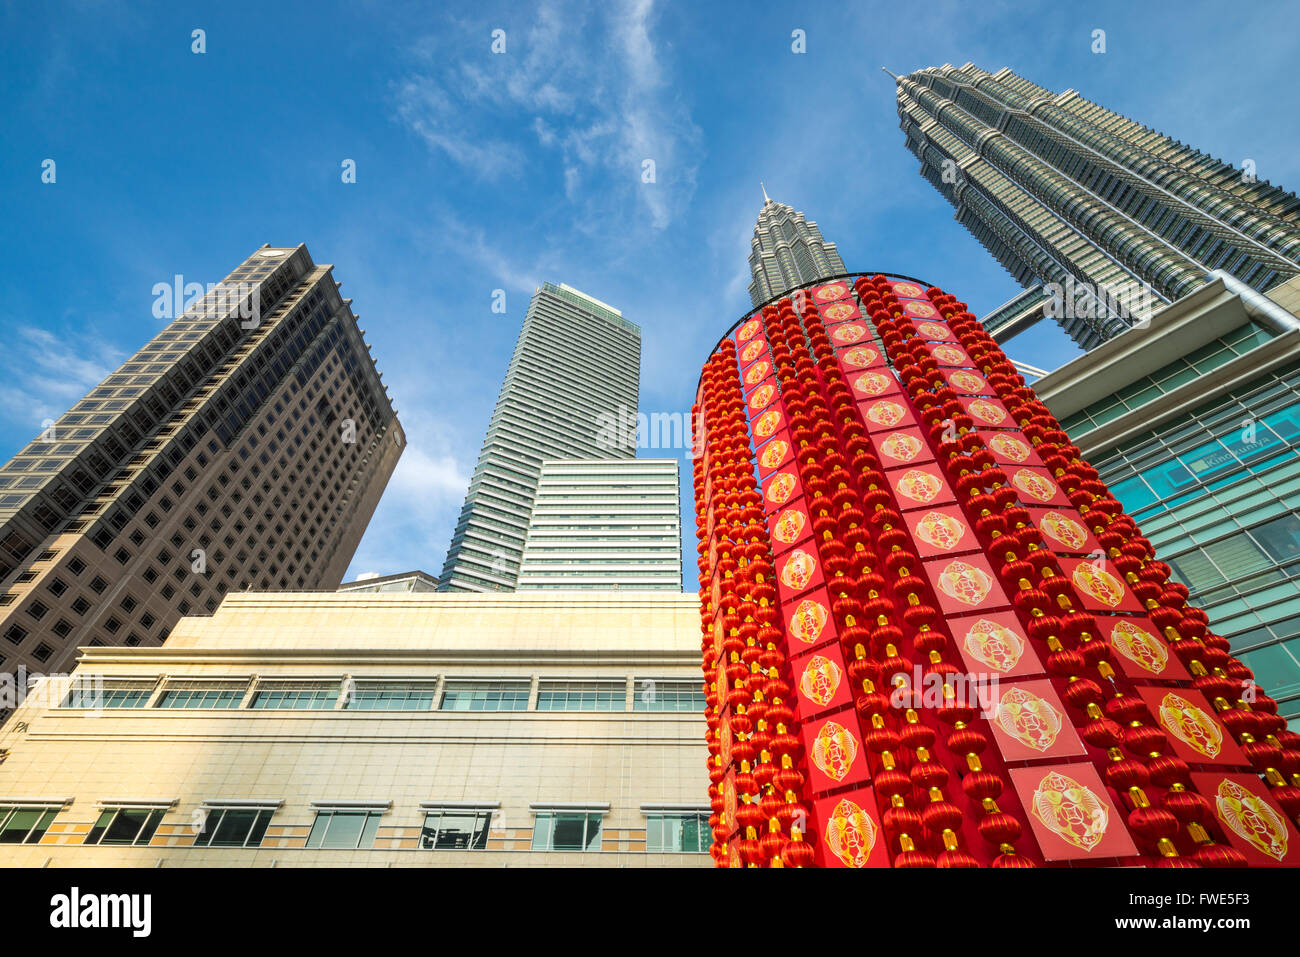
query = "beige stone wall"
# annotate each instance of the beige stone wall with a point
(512, 759)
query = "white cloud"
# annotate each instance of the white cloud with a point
(425, 107)
(591, 88)
(420, 506)
(45, 373)
(420, 477)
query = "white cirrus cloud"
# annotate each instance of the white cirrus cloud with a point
(45, 373)
(588, 84)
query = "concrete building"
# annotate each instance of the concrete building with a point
(379, 730)
(246, 446)
(1063, 191)
(576, 365)
(605, 523)
(1194, 423)
(787, 251)
(401, 582)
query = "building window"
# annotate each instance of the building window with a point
(678, 832)
(344, 828)
(93, 691)
(582, 696)
(455, 829)
(202, 694)
(390, 696)
(233, 826)
(652, 695)
(295, 695)
(24, 825)
(485, 696)
(567, 831)
(125, 825)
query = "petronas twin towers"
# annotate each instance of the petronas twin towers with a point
(1064, 192)
(788, 251)
(1067, 195)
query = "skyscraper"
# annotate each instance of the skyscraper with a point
(605, 523)
(933, 636)
(576, 366)
(245, 446)
(1065, 192)
(787, 251)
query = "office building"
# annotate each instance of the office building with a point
(1120, 219)
(374, 730)
(787, 251)
(246, 446)
(605, 523)
(401, 582)
(576, 367)
(1194, 424)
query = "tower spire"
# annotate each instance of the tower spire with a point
(890, 72)
(766, 199)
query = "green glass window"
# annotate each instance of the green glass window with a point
(455, 829)
(485, 696)
(125, 826)
(1133, 494)
(1286, 423)
(24, 825)
(234, 827)
(93, 691)
(202, 694)
(678, 833)
(1237, 557)
(295, 695)
(390, 696)
(567, 831)
(1280, 538)
(344, 829)
(1279, 664)
(652, 695)
(582, 696)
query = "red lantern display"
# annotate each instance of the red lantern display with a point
(930, 635)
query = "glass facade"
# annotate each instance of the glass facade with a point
(567, 831)
(344, 829)
(25, 825)
(233, 827)
(1217, 491)
(485, 696)
(455, 829)
(391, 696)
(582, 696)
(125, 825)
(651, 695)
(678, 833)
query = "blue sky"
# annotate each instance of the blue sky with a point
(478, 172)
